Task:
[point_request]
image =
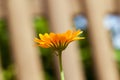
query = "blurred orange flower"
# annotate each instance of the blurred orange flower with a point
(58, 41)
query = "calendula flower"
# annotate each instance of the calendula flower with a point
(58, 41)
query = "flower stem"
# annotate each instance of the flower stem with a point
(60, 64)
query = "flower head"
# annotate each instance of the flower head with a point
(58, 41)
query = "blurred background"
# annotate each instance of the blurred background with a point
(97, 57)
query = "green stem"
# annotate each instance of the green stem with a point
(61, 68)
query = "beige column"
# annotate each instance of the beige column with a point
(102, 52)
(111, 5)
(76, 6)
(38, 7)
(1, 9)
(27, 64)
(118, 6)
(60, 20)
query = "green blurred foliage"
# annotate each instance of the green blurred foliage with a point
(4, 43)
(9, 73)
(86, 56)
(117, 57)
(5, 52)
(41, 25)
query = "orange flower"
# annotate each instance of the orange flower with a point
(58, 41)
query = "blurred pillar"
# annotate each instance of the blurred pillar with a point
(61, 20)
(1, 9)
(76, 6)
(21, 34)
(118, 6)
(102, 52)
(111, 6)
(38, 7)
